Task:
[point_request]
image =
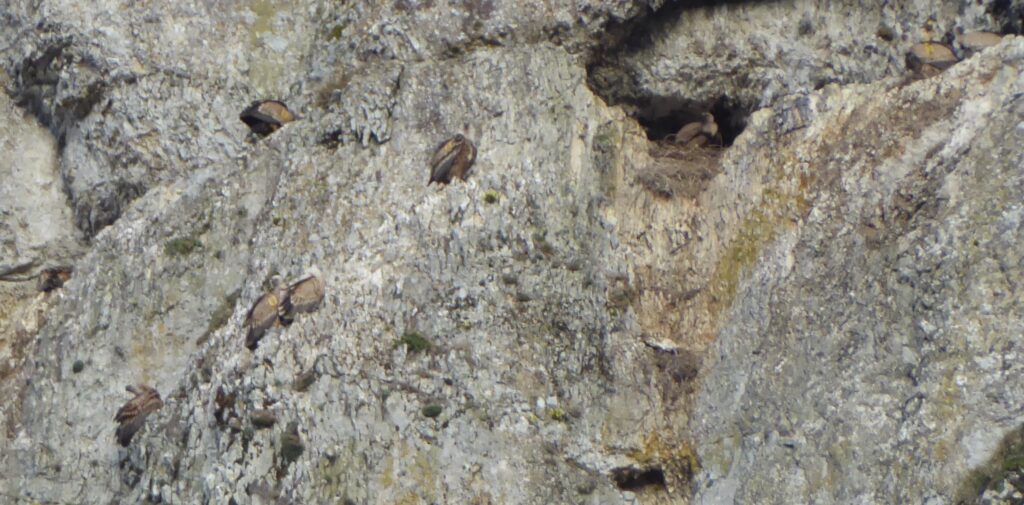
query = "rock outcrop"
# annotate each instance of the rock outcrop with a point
(827, 309)
(36, 230)
(869, 352)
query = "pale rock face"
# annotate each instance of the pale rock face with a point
(879, 328)
(828, 311)
(36, 229)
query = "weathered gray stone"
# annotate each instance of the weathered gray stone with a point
(869, 355)
(751, 54)
(836, 293)
(36, 230)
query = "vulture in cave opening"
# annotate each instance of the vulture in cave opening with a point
(697, 133)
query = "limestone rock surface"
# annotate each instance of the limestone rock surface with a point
(826, 310)
(36, 229)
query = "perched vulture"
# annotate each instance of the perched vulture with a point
(303, 296)
(453, 158)
(263, 314)
(266, 116)
(697, 134)
(133, 414)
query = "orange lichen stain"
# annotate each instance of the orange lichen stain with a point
(676, 458)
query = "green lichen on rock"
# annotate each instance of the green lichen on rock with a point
(758, 229)
(335, 32)
(432, 410)
(334, 473)
(414, 342)
(181, 246)
(557, 414)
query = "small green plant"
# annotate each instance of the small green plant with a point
(557, 414)
(1013, 463)
(181, 246)
(491, 196)
(432, 410)
(414, 342)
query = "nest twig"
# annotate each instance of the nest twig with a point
(680, 171)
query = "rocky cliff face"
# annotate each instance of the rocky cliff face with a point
(827, 309)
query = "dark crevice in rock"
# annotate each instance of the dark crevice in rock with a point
(660, 116)
(37, 80)
(635, 479)
(641, 31)
(1001, 477)
(105, 205)
(731, 117)
(37, 88)
(1009, 16)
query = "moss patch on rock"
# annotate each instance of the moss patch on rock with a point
(432, 411)
(181, 246)
(414, 342)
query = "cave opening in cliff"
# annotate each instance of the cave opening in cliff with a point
(635, 479)
(731, 117)
(664, 116)
(660, 110)
(1009, 16)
